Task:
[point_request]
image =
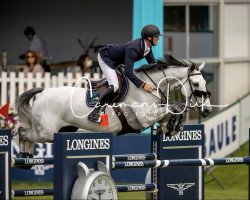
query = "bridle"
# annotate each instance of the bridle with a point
(196, 93)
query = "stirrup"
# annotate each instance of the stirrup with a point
(94, 116)
(99, 120)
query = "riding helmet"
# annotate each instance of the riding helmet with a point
(150, 31)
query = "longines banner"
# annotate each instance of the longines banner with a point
(222, 133)
(244, 119)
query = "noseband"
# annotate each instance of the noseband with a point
(196, 93)
(199, 93)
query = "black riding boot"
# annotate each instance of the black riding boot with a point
(107, 94)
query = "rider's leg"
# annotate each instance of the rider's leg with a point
(94, 115)
(109, 73)
(112, 79)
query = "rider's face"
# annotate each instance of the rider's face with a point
(155, 40)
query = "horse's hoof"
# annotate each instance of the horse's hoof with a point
(168, 134)
(173, 133)
(178, 128)
(25, 155)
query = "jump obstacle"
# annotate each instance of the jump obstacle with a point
(171, 175)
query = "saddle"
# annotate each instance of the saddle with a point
(99, 86)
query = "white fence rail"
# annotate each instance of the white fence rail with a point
(14, 84)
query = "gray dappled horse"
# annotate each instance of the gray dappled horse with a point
(53, 108)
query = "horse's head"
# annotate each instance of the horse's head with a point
(170, 74)
(194, 88)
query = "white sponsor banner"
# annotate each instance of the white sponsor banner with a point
(244, 119)
(222, 133)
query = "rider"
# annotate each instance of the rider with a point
(112, 55)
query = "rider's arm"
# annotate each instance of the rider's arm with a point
(150, 57)
(128, 68)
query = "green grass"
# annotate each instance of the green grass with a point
(234, 179)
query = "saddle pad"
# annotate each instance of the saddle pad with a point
(91, 102)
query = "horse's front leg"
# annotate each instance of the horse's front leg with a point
(172, 124)
(163, 128)
(181, 121)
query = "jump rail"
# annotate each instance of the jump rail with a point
(18, 162)
(32, 192)
(120, 188)
(182, 162)
(129, 157)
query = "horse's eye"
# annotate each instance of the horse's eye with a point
(196, 84)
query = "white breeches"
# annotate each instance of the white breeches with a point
(109, 73)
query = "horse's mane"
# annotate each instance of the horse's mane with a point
(171, 60)
(165, 62)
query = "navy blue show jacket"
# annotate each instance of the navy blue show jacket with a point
(127, 54)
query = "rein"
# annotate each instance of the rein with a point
(156, 85)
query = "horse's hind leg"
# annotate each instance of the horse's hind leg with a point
(25, 144)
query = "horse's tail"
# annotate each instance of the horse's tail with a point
(23, 105)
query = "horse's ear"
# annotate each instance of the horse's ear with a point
(192, 67)
(202, 65)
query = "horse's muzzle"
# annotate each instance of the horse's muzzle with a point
(199, 93)
(205, 112)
